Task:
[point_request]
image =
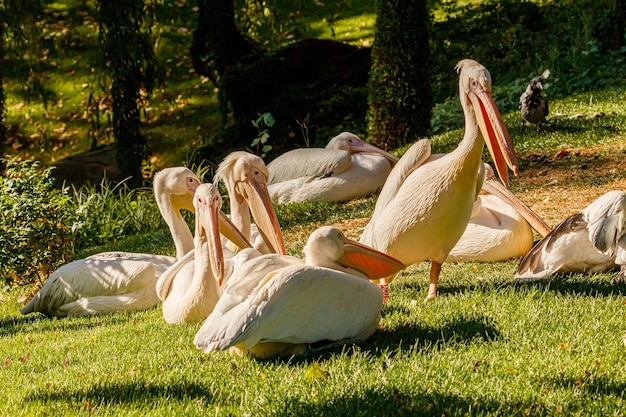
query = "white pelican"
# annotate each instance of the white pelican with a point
(245, 176)
(593, 240)
(424, 208)
(346, 169)
(500, 228)
(121, 281)
(279, 304)
(190, 288)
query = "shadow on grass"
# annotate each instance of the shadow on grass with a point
(38, 323)
(387, 402)
(115, 394)
(592, 381)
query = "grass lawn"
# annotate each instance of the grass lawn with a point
(486, 346)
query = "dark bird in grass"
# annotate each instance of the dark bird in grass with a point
(533, 104)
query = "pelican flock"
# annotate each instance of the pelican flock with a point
(233, 273)
(426, 204)
(346, 169)
(187, 291)
(120, 281)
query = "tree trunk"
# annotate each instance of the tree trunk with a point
(132, 65)
(399, 89)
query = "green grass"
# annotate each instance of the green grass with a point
(486, 346)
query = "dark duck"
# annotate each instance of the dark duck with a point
(533, 104)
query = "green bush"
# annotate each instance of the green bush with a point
(36, 229)
(42, 226)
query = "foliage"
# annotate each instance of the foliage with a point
(109, 211)
(399, 92)
(262, 125)
(36, 232)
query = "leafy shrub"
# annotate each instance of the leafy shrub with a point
(42, 226)
(36, 229)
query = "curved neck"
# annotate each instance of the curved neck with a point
(181, 235)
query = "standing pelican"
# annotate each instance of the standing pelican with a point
(279, 304)
(347, 168)
(120, 281)
(593, 240)
(424, 207)
(191, 287)
(500, 228)
(245, 176)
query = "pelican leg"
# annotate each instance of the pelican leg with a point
(435, 270)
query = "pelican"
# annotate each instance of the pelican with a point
(425, 206)
(593, 240)
(245, 176)
(346, 169)
(533, 104)
(500, 228)
(277, 304)
(120, 281)
(191, 287)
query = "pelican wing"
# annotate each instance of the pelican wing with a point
(607, 217)
(297, 304)
(308, 162)
(91, 277)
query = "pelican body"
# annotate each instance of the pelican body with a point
(425, 205)
(120, 281)
(593, 240)
(346, 169)
(277, 304)
(500, 228)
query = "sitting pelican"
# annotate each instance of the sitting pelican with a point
(245, 176)
(277, 304)
(500, 228)
(593, 240)
(119, 281)
(346, 169)
(425, 206)
(191, 287)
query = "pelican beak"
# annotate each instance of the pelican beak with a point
(369, 261)
(493, 186)
(207, 225)
(366, 147)
(232, 232)
(494, 133)
(258, 199)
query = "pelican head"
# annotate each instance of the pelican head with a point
(178, 184)
(328, 247)
(475, 93)
(245, 176)
(350, 142)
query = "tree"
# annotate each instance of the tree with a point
(399, 89)
(132, 65)
(322, 80)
